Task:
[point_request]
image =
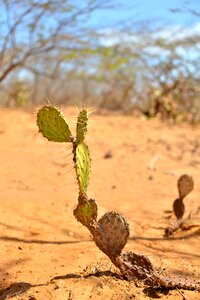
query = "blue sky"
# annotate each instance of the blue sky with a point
(151, 13)
(156, 12)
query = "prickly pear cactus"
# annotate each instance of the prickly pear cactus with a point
(86, 212)
(185, 185)
(179, 208)
(111, 234)
(52, 125)
(81, 128)
(83, 166)
(134, 265)
(138, 267)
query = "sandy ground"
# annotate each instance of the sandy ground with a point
(46, 253)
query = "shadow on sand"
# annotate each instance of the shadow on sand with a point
(36, 241)
(16, 289)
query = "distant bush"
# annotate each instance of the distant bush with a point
(18, 94)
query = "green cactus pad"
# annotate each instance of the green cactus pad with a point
(81, 128)
(111, 234)
(86, 212)
(83, 166)
(52, 125)
(185, 185)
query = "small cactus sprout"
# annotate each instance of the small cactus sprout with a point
(52, 125)
(185, 185)
(111, 231)
(179, 208)
(86, 212)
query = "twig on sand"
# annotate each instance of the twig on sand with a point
(153, 161)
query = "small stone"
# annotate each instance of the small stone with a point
(108, 155)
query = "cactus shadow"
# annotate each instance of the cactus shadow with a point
(66, 276)
(182, 253)
(106, 273)
(11, 227)
(16, 289)
(36, 241)
(31, 232)
(155, 293)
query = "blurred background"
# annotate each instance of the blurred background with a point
(125, 56)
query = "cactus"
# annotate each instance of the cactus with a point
(110, 232)
(81, 128)
(179, 208)
(83, 166)
(86, 212)
(185, 185)
(52, 125)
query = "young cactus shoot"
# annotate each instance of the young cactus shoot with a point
(185, 185)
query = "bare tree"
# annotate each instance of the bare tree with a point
(33, 29)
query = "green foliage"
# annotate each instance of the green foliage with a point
(52, 125)
(81, 128)
(83, 166)
(19, 94)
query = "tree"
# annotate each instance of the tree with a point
(34, 30)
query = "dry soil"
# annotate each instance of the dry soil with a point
(46, 253)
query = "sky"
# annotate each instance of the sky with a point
(150, 14)
(155, 12)
(170, 19)
(139, 13)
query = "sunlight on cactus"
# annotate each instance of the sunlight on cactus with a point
(52, 125)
